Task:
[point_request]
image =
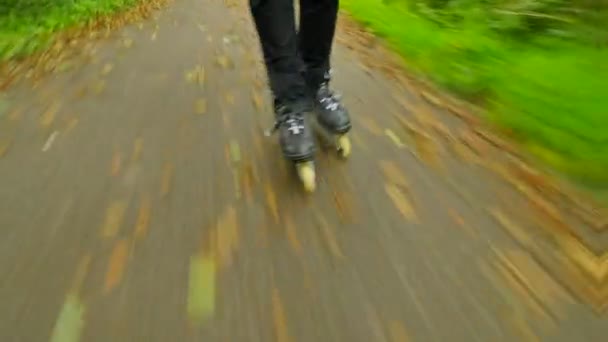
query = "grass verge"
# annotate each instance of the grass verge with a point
(27, 26)
(551, 95)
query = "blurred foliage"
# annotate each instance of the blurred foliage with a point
(537, 66)
(582, 20)
(27, 25)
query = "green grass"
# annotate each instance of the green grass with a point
(551, 94)
(27, 26)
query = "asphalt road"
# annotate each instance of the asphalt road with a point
(140, 201)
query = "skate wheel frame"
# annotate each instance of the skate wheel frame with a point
(306, 173)
(343, 146)
(340, 142)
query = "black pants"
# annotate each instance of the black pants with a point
(295, 60)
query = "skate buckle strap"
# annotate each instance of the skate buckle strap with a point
(329, 99)
(295, 126)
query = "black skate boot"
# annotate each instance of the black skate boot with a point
(296, 139)
(331, 114)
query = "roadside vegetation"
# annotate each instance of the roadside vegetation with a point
(538, 67)
(27, 26)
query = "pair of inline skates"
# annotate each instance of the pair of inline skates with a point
(296, 130)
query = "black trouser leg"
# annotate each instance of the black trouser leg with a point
(275, 24)
(317, 28)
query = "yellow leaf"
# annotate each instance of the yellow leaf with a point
(201, 106)
(235, 151)
(227, 236)
(394, 138)
(107, 69)
(401, 201)
(127, 42)
(138, 146)
(201, 288)
(99, 86)
(393, 173)
(70, 322)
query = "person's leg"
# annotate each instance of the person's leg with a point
(275, 24)
(315, 40)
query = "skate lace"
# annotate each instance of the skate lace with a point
(293, 121)
(329, 99)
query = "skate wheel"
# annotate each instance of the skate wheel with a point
(306, 172)
(344, 146)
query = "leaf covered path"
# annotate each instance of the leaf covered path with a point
(140, 201)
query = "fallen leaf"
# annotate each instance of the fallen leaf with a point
(329, 237)
(81, 273)
(113, 220)
(201, 106)
(143, 218)
(99, 86)
(431, 98)
(65, 66)
(166, 179)
(271, 202)
(72, 123)
(280, 322)
(116, 163)
(456, 217)
(107, 68)
(370, 125)
(138, 146)
(235, 151)
(116, 265)
(344, 206)
(394, 138)
(401, 201)
(257, 101)
(517, 232)
(200, 75)
(227, 236)
(398, 332)
(229, 98)
(459, 220)
(70, 322)
(127, 42)
(248, 178)
(15, 115)
(49, 142)
(292, 236)
(427, 149)
(201, 288)
(393, 173)
(224, 62)
(80, 92)
(48, 116)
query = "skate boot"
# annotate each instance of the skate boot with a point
(332, 117)
(296, 140)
